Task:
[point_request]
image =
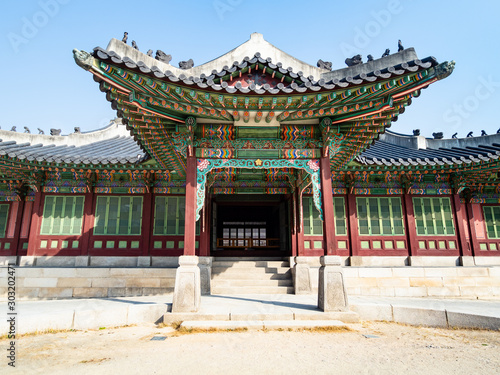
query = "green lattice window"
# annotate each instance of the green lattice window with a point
(313, 226)
(340, 217)
(169, 216)
(492, 218)
(433, 216)
(62, 215)
(118, 215)
(380, 216)
(4, 214)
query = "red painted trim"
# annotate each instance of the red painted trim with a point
(328, 214)
(17, 224)
(293, 224)
(300, 225)
(411, 227)
(353, 225)
(190, 216)
(472, 229)
(459, 226)
(35, 223)
(88, 223)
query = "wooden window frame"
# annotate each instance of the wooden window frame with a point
(496, 223)
(379, 216)
(3, 228)
(106, 216)
(66, 198)
(435, 215)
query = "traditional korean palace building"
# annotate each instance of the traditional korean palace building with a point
(253, 154)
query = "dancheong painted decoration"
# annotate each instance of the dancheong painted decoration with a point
(255, 153)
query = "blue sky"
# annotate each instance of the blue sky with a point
(43, 88)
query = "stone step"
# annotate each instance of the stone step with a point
(257, 270)
(251, 264)
(263, 324)
(251, 276)
(217, 283)
(248, 259)
(253, 290)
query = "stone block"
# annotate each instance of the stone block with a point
(73, 282)
(399, 282)
(187, 291)
(108, 282)
(40, 282)
(426, 281)
(373, 311)
(378, 261)
(205, 266)
(419, 317)
(460, 281)
(361, 282)
(93, 272)
(55, 261)
(350, 272)
(302, 276)
(419, 291)
(352, 291)
(103, 261)
(434, 261)
(55, 293)
(445, 291)
(159, 272)
(157, 291)
(126, 272)
(144, 261)
(332, 295)
(261, 316)
(167, 283)
(494, 271)
(117, 292)
(27, 293)
(59, 272)
(29, 272)
(472, 271)
(375, 272)
(27, 261)
(466, 261)
(487, 261)
(146, 313)
(134, 291)
(441, 271)
(408, 272)
(460, 320)
(56, 320)
(168, 262)
(137, 282)
(8, 260)
(90, 292)
(343, 316)
(476, 291)
(94, 319)
(82, 261)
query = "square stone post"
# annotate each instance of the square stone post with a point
(332, 294)
(187, 290)
(205, 265)
(301, 276)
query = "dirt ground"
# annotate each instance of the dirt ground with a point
(368, 348)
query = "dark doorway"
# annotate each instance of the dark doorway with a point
(248, 229)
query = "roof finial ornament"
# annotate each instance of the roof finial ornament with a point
(55, 132)
(125, 37)
(77, 130)
(369, 58)
(163, 57)
(150, 52)
(134, 45)
(324, 64)
(470, 135)
(355, 60)
(184, 65)
(13, 129)
(387, 52)
(438, 135)
(416, 132)
(27, 130)
(40, 131)
(483, 133)
(400, 46)
(454, 136)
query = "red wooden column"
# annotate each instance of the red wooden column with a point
(205, 229)
(190, 217)
(147, 222)
(411, 228)
(35, 223)
(459, 225)
(472, 228)
(17, 226)
(300, 225)
(293, 225)
(353, 224)
(88, 221)
(327, 200)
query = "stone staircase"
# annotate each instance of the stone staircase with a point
(251, 276)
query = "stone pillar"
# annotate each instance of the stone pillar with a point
(187, 291)
(332, 295)
(301, 276)
(205, 265)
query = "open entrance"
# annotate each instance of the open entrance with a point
(246, 226)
